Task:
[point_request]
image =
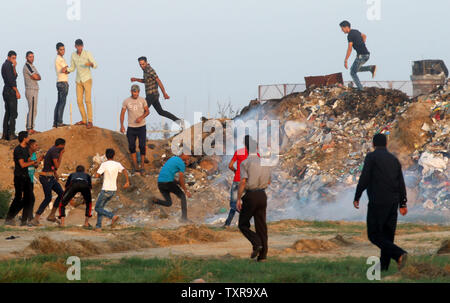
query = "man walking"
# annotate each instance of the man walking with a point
(31, 78)
(357, 41)
(383, 178)
(62, 84)
(83, 61)
(32, 150)
(255, 178)
(168, 185)
(78, 182)
(10, 96)
(109, 169)
(239, 156)
(152, 82)
(22, 182)
(49, 180)
(137, 109)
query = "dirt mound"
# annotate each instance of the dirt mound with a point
(317, 245)
(424, 270)
(125, 242)
(445, 248)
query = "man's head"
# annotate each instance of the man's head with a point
(345, 26)
(23, 137)
(79, 45)
(110, 153)
(30, 57)
(379, 140)
(80, 169)
(32, 145)
(135, 91)
(143, 62)
(250, 145)
(185, 154)
(12, 56)
(60, 48)
(60, 143)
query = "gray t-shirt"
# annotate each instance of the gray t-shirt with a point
(135, 108)
(29, 70)
(258, 176)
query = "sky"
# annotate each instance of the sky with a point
(212, 51)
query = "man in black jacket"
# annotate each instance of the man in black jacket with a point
(78, 182)
(383, 178)
(10, 96)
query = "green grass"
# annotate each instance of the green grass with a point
(297, 270)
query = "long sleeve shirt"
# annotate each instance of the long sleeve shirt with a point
(9, 77)
(78, 62)
(383, 178)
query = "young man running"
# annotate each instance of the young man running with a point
(137, 111)
(78, 182)
(167, 183)
(109, 169)
(357, 41)
(49, 180)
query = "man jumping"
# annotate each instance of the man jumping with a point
(357, 41)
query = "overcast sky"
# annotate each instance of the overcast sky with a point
(216, 50)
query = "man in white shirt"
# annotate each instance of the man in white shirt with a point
(62, 84)
(83, 61)
(109, 169)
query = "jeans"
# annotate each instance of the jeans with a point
(9, 120)
(63, 90)
(171, 187)
(233, 201)
(357, 67)
(22, 198)
(154, 100)
(102, 199)
(49, 184)
(74, 188)
(32, 98)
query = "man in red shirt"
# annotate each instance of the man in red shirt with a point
(239, 156)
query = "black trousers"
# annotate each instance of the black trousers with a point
(77, 187)
(172, 187)
(255, 205)
(134, 133)
(9, 120)
(22, 198)
(154, 100)
(381, 225)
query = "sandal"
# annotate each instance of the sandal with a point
(89, 125)
(89, 226)
(80, 123)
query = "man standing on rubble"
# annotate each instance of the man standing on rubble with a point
(357, 40)
(255, 178)
(383, 178)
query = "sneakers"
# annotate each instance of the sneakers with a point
(402, 261)
(374, 71)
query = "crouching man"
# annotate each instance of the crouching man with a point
(78, 182)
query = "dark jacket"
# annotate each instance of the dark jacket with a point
(9, 78)
(383, 178)
(79, 177)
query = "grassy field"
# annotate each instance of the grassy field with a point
(53, 269)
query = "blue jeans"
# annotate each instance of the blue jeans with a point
(357, 67)
(233, 202)
(102, 199)
(63, 90)
(50, 184)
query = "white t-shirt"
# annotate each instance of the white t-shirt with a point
(110, 169)
(60, 63)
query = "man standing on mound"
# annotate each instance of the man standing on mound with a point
(383, 178)
(109, 169)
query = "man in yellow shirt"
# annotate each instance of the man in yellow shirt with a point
(83, 61)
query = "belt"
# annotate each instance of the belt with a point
(255, 190)
(46, 174)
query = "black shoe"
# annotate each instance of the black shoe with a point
(62, 125)
(26, 223)
(402, 263)
(146, 161)
(256, 252)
